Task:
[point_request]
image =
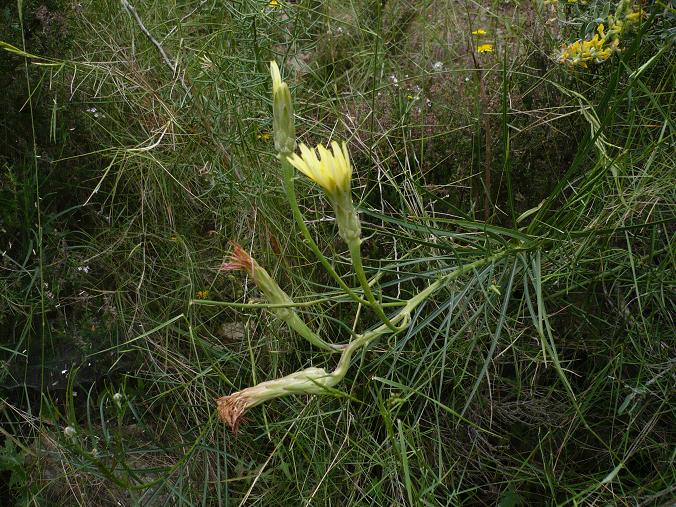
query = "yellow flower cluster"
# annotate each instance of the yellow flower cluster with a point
(627, 18)
(486, 47)
(598, 49)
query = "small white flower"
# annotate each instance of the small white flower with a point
(438, 66)
(69, 431)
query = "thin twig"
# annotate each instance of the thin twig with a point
(173, 65)
(167, 59)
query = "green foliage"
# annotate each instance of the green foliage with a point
(12, 464)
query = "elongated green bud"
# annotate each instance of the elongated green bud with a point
(282, 110)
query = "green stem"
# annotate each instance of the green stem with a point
(297, 324)
(355, 253)
(289, 173)
(404, 315)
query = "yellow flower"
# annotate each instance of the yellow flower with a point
(273, 3)
(409, 97)
(202, 294)
(263, 136)
(485, 48)
(331, 171)
(597, 49)
(479, 32)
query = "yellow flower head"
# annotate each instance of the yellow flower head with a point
(202, 294)
(331, 171)
(479, 32)
(485, 48)
(597, 49)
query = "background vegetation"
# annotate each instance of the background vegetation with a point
(133, 149)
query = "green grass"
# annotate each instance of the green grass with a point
(543, 377)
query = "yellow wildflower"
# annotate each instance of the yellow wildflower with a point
(274, 3)
(479, 32)
(331, 171)
(263, 136)
(596, 50)
(202, 294)
(485, 48)
(635, 17)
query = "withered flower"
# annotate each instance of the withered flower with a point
(232, 408)
(239, 259)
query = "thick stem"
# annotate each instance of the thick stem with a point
(316, 380)
(274, 294)
(297, 324)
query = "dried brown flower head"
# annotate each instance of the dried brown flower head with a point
(239, 259)
(231, 409)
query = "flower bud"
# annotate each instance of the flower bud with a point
(282, 113)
